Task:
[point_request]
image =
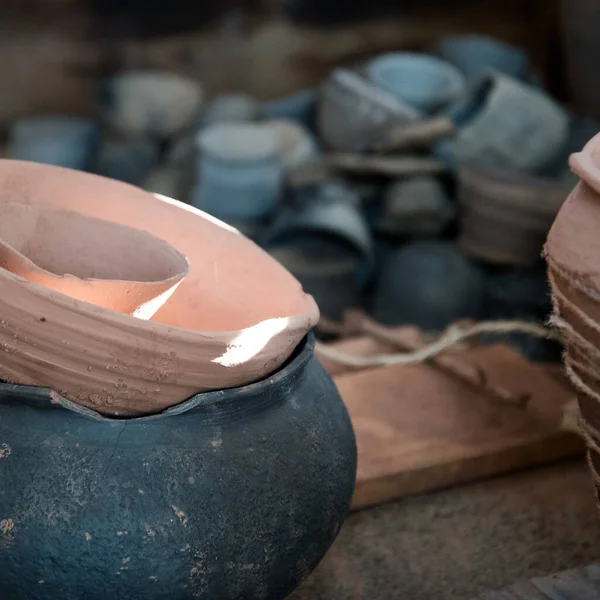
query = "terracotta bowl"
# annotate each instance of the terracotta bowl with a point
(90, 259)
(235, 318)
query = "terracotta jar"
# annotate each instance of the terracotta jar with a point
(572, 253)
(203, 338)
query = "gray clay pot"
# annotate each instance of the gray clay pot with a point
(505, 123)
(424, 82)
(428, 284)
(354, 114)
(63, 141)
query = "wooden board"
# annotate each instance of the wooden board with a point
(579, 584)
(418, 429)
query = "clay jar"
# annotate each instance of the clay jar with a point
(89, 259)
(203, 338)
(572, 251)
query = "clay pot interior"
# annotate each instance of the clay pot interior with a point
(89, 259)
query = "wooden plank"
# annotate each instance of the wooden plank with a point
(579, 584)
(419, 429)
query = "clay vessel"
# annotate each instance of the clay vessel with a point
(506, 214)
(89, 259)
(203, 338)
(571, 253)
(64, 141)
(240, 173)
(153, 103)
(476, 54)
(354, 114)
(232, 494)
(422, 81)
(296, 144)
(430, 285)
(505, 123)
(300, 107)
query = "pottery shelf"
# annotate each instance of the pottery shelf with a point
(419, 429)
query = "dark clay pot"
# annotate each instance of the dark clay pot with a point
(232, 494)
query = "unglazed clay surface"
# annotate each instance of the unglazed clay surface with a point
(89, 259)
(573, 242)
(235, 318)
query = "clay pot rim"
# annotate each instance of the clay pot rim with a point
(303, 352)
(138, 326)
(583, 164)
(259, 143)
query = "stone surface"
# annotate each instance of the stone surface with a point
(459, 543)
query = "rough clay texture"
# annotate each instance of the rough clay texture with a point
(233, 495)
(456, 544)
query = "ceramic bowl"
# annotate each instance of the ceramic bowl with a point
(354, 114)
(83, 258)
(203, 338)
(424, 82)
(153, 103)
(63, 141)
(475, 55)
(505, 123)
(240, 174)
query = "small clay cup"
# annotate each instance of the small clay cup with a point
(96, 261)
(424, 82)
(354, 114)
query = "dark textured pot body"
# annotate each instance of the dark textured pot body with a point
(232, 494)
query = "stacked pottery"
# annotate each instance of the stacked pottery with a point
(424, 82)
(355, 114)
(164, 422)
(504, 123)
(571, 253)
(505, 214)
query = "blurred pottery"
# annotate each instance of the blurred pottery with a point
(424, 82)
(332, 218)
(418, 206)
(230, 108)
(475, 55)
(201, 338)
(329, 279)
(505, 123)
(296, 144)
(129, 160)
(96, 261)
(354, 114)
(430, 285)
(240, 174)
(153, 103)
(170, 181)
(506, 215)
(64, 141)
